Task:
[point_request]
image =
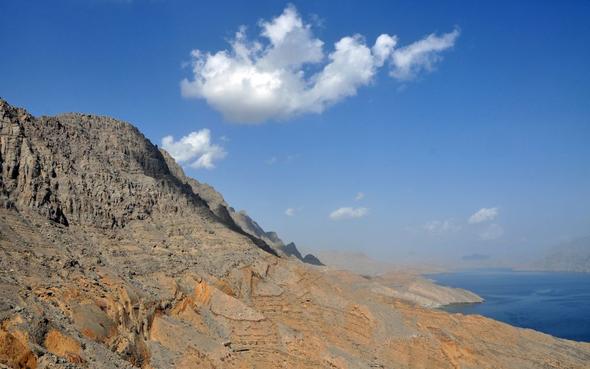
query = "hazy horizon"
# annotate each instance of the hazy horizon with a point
(378, 127)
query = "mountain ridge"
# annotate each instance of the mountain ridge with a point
(240, 219)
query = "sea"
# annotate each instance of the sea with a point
(551, 302)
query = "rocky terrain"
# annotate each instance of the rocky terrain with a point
(110, 257)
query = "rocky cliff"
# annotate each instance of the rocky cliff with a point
(111, 258)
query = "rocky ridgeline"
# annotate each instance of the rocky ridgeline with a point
(110, 257)
(239, 219)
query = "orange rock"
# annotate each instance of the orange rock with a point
(14, 353)
(63, 346)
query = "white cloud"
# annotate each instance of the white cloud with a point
(272, 160)
(348, 213)
(442, 226)
(359, 196)
(290, 212)
(194, 149)
(410, 60)
(483, 215)
(492, 232)
(285, 72)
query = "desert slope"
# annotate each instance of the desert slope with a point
(109, 258)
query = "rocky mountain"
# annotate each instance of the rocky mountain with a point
(110, 257)
(573, 256)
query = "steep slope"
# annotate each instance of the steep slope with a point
(110, 259)
(240, 219)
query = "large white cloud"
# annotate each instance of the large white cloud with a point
(194, 149)
(484, 215)
(286, 71)
(348, 213)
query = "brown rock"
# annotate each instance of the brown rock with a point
(63, 346)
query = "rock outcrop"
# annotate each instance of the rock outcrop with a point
(111, 258)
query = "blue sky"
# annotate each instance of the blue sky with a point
(496, 120)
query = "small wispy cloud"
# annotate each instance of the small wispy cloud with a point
(194, 149)
(286, 71)
(492, 232)
(282, 159)
(292, 157)
(441, 226)
(290, 212)
(348, 213)
(359, 196)
(409, 61)
(483, 215)
(272, 160)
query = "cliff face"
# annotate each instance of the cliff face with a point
(98, 171)
(111, 258)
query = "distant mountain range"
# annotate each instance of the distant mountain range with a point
(573, 256)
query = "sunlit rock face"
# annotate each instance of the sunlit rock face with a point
(110, 258)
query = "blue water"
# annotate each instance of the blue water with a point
(554, 303)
